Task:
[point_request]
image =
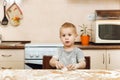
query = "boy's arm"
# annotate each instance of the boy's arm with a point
(55, 63)
(81, 65)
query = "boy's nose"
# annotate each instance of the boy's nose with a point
(66, 38)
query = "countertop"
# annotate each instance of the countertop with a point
(13, 44)
(98, 46)
(21, 45)
(59, 75)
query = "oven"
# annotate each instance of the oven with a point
(34, 54)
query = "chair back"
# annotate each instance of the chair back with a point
(46, 60)
(87, 59)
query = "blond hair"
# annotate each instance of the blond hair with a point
(68, 25)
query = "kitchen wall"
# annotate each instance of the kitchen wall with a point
(43, 18)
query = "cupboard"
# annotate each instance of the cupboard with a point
(104, 59)
(11, 58)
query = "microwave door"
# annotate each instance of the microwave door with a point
(109, 32)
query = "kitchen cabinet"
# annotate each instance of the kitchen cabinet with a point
(12, 58)
(97, 58)
(113, 59)
(104, 59)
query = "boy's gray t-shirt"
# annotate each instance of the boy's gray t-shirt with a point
(71, 57)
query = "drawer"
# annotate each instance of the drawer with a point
(12, 65)
(11, 55)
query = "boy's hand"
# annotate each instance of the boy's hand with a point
(59, 65)
(72, 66)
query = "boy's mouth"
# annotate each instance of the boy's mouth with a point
(67, 41)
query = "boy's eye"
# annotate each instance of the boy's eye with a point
(69, 34)
(63, 35)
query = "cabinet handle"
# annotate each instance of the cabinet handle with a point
(6, 55)
(103, 59)
(109, 58)
(6, 68)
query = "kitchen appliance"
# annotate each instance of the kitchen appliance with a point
(107, 27)
(106, 31)
(34, 53)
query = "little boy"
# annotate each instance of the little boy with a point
(69, 56)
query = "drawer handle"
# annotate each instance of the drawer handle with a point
(109, 58)
(6, 55)
(6, 68)
(103, 59)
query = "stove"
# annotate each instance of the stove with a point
(34, 53)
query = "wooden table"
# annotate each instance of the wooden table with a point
(59, 75)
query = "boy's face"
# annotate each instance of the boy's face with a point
(67, 36)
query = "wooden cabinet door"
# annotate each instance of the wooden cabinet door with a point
(11, 55)
(113, 59)
(12, 65)
(12, 59)
(98, 58)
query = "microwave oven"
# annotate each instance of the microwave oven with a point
(106, 31)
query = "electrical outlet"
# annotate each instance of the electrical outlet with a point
(91, 17)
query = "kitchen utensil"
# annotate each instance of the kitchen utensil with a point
(4, 20)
